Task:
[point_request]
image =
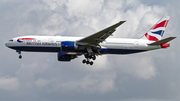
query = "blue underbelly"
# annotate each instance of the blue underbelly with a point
(120, 51)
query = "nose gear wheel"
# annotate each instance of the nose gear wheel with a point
(19, 52)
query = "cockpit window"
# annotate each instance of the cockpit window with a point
(11, 40)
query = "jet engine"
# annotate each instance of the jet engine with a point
(68, 46)
(65, 57)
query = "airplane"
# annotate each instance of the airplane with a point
(68, 48)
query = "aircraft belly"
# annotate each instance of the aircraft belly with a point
(121, 48)
(37, 49)
(120, 51)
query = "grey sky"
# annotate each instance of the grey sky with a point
(149, 76)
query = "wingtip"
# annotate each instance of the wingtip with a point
(122, 21)
(173, 37)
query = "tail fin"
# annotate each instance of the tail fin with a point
(157, 31)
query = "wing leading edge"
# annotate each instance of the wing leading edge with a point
(100, 36)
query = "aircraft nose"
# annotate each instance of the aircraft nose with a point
(7, 44)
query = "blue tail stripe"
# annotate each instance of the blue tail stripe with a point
(161, 32)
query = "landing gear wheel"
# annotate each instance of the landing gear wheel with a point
(20, 56)
(84, 61)
(86, 56)
(94, 57)
(91, 63)
(90, 57)
(19, 52)
(87, 62)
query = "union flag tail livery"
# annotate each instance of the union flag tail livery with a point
(157, 31)
(69, 48)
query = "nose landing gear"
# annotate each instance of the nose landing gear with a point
(20, 56)
(19, 52)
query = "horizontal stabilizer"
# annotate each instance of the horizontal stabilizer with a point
(160, 42)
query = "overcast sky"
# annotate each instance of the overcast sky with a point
(148, 76)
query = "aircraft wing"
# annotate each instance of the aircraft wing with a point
(100, 36)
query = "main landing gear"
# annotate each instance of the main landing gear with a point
(88, 57)
(19, 52)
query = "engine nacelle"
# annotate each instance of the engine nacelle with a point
(68, 46)
(65, 57)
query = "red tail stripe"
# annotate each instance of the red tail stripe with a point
(151, 38)
(162, 24)
(26, 39)
(166, 23)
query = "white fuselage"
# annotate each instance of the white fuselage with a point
(53, 44)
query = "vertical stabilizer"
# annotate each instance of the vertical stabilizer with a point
(157, 31)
